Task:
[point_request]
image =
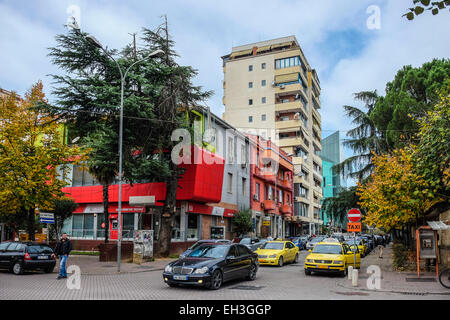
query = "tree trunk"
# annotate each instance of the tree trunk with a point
(167, 217)
(105, 210)
(31, 224)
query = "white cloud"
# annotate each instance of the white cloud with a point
(205, 30)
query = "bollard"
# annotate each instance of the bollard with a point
(349, 272)
(355, 278)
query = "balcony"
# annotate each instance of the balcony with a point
(286, 184)
(293, 106)
(294, 69)
(316, 115)
(290, 142)
(288, 124)
(301, 180)
(268, 205)
(292, 88)
(286, 209)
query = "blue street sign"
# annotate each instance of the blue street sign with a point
(42, 220)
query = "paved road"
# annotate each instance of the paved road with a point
(272, 283)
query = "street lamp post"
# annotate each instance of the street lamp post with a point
(122, 84)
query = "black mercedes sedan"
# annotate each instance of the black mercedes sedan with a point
(20, 256)
(211, 264)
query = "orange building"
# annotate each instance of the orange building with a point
(271, 189)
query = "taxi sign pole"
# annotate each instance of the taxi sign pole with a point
(354, 252)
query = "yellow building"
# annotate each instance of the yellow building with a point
(271, 90)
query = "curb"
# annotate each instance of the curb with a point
(394, 291)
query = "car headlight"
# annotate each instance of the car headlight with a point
(168, 268)
(201, 270)
(273, 256)
(338, 262)
(309, 260)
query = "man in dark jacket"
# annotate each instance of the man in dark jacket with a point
(62, 250)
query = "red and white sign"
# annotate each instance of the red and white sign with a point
(354, 215)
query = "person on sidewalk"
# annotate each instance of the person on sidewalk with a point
(62, 250)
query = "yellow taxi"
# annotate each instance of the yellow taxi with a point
(331, 256)
(362, 247)
(277, 253)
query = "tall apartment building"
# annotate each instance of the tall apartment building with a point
(271, 90)
(332, 153)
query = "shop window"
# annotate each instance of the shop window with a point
(192, 230)
(128, 225)
(100, 223)
(176, 232)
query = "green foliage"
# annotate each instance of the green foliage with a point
(337, 207)
(400, 256)
(412, 93)
(421, 5)
(242, 222)
(364, 138)
(62, 209)
(431, 156)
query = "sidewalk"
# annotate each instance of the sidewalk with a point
(90, 265)
(406, 282)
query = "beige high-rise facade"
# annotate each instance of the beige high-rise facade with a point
(271, 90)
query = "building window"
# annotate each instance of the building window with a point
(287, 62)
(243, 154)
(250, 102)
(263, 83)
(263, 117)
(230, 150)
(250, 85)
(250, 68)
(250, 118)
(230, 183)
(263, 65)
(244, 186)
(257, 191)
(263, 100)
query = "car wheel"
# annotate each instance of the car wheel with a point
(216, 280)
(252, 272)
(296, 258)
(307, 272)
(280, 261)
(49, 269)
(17, 268)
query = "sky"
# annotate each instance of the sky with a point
(354, 45)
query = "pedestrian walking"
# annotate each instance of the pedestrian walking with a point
(62, 251)
(380, 251)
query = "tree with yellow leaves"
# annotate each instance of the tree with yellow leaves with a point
(33, 157)
(395, 196)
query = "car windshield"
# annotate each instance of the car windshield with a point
(245, 241)
(209, 251)
(273, 245)
(39, 249)
(352, 242)
(327, 249)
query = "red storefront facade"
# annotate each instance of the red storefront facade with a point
(199, 189)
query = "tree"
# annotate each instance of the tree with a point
(431, 158)
(412, 93)
(421, 5)
(62, 209)
(395, 196)
(365, 139)
(155, 91)
(242, 222)
(33, 156)
(337, 207)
